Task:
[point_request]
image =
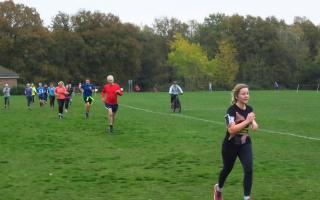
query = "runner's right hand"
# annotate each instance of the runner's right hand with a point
(250, 117)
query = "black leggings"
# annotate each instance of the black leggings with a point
(230, 151)
(67, 103)
(61, 103)
(29, 101)
(6, 101)
(52, 98)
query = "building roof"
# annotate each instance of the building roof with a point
(7, 73)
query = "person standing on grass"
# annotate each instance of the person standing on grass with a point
(109, 96)
(276, 86)
(60, 92)
(210, 86)
(237, 143)
(87, 89)
(52, 96)
(6, 95)
(28, 93)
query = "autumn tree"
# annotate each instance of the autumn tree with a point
(225, 65)
(189, 60)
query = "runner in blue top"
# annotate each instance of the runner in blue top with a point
(28, 93)
(41, 94)
(87, 89)
(51, 95)
(45, 93)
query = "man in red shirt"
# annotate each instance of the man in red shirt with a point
(112, 90)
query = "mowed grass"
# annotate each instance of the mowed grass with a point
(156, 154)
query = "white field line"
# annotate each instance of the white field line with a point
(217, 122)
(290, 134)
(206, 109)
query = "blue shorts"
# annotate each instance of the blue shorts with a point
(114, 107)
(41, 97)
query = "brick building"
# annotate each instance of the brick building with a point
(8, 76)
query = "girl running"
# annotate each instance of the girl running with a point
(68, 97)
(237, 142)
(60, 92)
(28, 93)
(52, 96)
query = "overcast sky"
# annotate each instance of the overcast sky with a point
(143, 12)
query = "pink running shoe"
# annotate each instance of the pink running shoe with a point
(217, 193)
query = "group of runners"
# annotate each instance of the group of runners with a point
(239, 119)
(44, 93)
(64, 93)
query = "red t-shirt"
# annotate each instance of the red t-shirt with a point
(112, 95)
(60, 92)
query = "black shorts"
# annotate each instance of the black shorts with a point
(88, 99)
(114, 107)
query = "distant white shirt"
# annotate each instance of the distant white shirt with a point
(175, 89)
(6, 92)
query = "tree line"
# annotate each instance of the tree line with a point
(222, 50)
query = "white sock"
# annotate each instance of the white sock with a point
(246, 198)
(218, 188)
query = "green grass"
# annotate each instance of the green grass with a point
(155, 154)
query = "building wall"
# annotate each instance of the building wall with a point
(11, 81)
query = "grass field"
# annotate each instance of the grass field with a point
(155, 154)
